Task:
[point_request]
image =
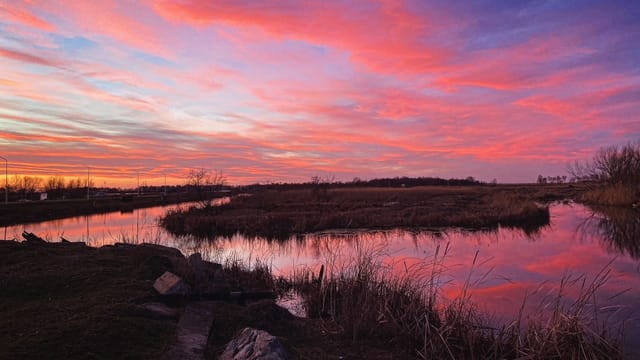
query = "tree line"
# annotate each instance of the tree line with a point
(25, 186)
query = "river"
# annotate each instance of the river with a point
(579, 246)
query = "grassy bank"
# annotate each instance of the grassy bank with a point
(36, 211)
(278, 214)
(67, 300)
(70, 301)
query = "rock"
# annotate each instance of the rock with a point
(253, 344)
(192, 332)
(205, 273)
(171, 284)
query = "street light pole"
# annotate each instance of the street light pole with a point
(6, 180)
(88, 193)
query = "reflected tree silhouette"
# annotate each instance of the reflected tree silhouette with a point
(618, 228)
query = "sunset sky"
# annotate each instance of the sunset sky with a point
(283, 90)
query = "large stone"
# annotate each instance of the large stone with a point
(171, 284)
(253, 344)
(207, 275)
(192, 332)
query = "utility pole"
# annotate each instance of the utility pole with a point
(6, 181)
(138, 183)
(87, 183)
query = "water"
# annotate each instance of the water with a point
(578, 246)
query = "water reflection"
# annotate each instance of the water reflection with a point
(619, 228)
(511, 264)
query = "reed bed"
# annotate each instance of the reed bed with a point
(406, 312)
(618, 194)
(274, 214)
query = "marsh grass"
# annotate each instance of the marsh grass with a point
(280, 214)
(618, 194)
(404, 311)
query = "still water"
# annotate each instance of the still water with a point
(502, 267)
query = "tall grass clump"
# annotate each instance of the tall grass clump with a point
(515, 211)
(406, 312)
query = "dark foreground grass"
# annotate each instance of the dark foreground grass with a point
(69, 301)
(279, 214)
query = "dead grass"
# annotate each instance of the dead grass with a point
(612, 195)
(275, 214)
(406, 314)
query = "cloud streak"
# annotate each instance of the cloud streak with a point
(285, 90)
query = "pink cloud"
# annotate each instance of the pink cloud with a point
(369, 32)
(27, 18)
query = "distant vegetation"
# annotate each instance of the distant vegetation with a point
(551, 179)
(397, 182)
(25, 187)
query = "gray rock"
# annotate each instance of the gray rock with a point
(253, 344)
(171, 284)
(192, 332)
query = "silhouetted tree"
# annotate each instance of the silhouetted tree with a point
(612, 165)
(203, 181)
(54, 186)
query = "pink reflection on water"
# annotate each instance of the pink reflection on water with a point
(509, 265)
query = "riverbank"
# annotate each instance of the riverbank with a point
(279, 214)
(36, 211)
(70, 301)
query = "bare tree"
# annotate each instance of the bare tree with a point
(205, 183)
(26, 185)
(77, 187)
(611, 165)
(54, 185)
